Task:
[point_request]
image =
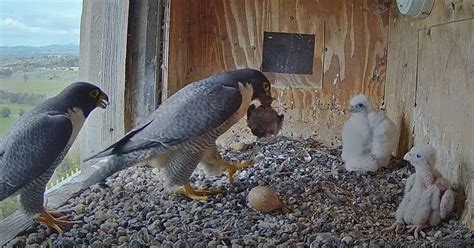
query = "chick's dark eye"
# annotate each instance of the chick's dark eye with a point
(418, 156)
(360, 105)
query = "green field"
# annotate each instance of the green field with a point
(39, 82)
(6, 123)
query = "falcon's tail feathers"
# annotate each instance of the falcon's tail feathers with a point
(108, 166)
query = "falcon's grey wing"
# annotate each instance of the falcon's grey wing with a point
(31, 148)
(191, 112)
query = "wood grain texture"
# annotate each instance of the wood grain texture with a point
(143, 77)
(401, 77)
(212, 36)
(102, 61)
(444, 12)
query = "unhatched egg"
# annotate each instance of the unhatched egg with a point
(262, 198)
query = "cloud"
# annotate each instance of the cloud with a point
(32, 22)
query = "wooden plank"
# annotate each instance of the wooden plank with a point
(470, 212)
(210, 36)
(448, 11)
(401, 77)
(102, 61)
(444, 106)
(143, 77)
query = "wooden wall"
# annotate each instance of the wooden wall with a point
(211, 36)
(430, 88)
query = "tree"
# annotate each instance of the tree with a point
(25, 77)
(5, 112)
(6, 72)
(22, 111)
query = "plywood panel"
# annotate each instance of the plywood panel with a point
(444, 107)
(212, 36)
(401, 77)
(445, 11)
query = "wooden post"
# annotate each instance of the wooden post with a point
(103, 47)
(143, 68)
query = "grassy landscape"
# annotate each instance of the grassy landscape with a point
(6, 123)
(38, 82)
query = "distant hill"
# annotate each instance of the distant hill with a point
(19, 52)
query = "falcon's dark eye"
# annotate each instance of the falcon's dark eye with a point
(418, 156)
(266, 86)
(360, 105)
(95, 93)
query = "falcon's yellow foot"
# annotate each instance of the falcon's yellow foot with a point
(232, 168)
(54, 223)
(56, 213)
(199, 194)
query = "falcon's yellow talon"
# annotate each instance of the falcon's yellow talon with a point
(233, 168)
(198, 194)
(46, 218)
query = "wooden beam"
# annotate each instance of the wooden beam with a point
(143, 65)
(102, 61)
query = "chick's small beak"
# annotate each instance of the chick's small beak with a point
(103, 100)
(406, 157)
(352, 109)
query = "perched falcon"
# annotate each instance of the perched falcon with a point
(37, 143)
(183, 130)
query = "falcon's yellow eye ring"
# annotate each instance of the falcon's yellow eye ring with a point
(95, 93)
(266, 86)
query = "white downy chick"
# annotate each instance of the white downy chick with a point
(368, 137)
(426, 192)
(384, 137)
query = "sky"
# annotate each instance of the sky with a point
(39, 22)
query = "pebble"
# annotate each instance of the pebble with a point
(135, 211)
(33, 239)
(122, 239)
(96, 244)
(348, 240)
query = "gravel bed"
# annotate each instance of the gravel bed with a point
(324, 206)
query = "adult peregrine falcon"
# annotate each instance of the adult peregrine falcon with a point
(37, 143)
(183, 130)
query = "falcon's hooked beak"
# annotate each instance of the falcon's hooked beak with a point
(102, 100)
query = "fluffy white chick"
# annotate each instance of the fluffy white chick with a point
(384, 137)
(368, 137)
(427, 197)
